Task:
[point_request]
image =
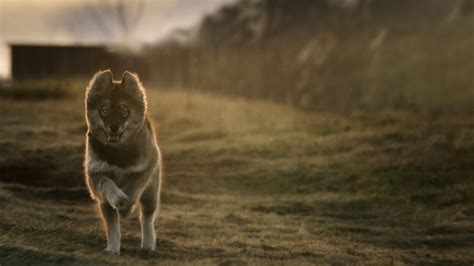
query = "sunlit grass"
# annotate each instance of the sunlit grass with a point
(248, 181)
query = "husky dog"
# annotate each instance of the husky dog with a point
(122, 160)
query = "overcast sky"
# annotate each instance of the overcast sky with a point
(76, 21)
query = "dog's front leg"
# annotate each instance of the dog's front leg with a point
(149, 205)
(105, 190)
(134, 188)
(110, 199)
(112, 225)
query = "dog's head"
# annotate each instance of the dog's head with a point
(115, 110)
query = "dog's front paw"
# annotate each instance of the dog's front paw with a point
(150, 245)
(111, 250)
(118, 199)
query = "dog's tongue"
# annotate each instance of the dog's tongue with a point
(113, 137)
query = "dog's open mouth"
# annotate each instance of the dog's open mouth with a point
(113, 137)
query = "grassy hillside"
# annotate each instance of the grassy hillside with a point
(246, 182)
(318, 55)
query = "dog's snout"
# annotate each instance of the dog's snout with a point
(114, 128)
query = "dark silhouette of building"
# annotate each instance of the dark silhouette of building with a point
(54, 61)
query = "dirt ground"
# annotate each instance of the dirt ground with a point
(246, 182)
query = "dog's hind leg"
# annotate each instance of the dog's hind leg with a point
(112, 226)
(149, 202)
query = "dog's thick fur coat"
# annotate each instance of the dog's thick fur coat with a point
(122, 158)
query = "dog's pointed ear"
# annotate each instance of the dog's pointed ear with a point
(131, 82)
(101, 80)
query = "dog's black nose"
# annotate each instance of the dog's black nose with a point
(114, 128)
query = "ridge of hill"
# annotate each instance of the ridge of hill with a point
(331, 55)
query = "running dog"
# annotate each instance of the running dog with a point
(122, 157)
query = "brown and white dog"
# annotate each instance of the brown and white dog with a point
(122, 158)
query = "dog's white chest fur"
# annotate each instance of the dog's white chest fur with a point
(97, 165)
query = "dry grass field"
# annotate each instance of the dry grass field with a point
(246, 182)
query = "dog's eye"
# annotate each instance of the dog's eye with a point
(124, 112)
(105, 111)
